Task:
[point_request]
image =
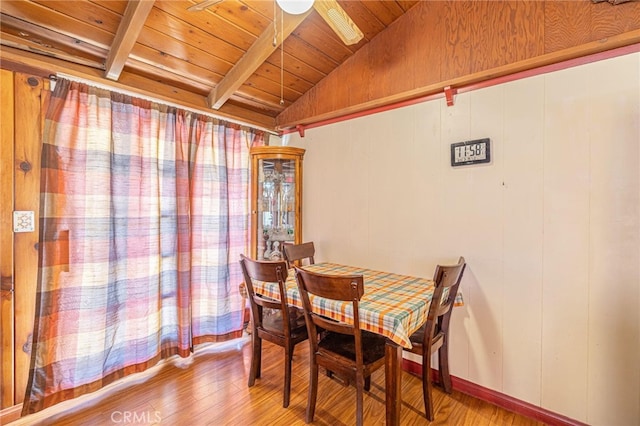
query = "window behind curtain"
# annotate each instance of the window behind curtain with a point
(144, 211)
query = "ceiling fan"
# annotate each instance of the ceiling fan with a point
(335, 16)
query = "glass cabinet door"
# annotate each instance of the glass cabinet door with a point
(276, 200)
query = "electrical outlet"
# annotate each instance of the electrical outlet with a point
(24, 221)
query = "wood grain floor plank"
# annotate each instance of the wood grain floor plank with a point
(210, 388)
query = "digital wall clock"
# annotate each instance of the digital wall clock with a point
(471, 152)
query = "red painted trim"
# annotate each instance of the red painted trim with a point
(449, 93)
(499, 399)
(608, 54)
(364, 113)
(411, 367)
(512, 404)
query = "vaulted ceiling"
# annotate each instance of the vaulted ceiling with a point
(228, 54)
(229, 58)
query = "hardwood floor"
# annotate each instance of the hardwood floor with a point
(210, 388)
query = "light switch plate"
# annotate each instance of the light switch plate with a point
(24, 221)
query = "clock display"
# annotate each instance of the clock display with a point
(471, 152)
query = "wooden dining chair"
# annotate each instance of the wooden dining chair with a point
(434, 334)
(284, 326)
(300, 253)
(341, 347)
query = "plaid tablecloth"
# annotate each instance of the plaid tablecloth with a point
(393, 305)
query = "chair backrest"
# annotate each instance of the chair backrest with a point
(299, 252)
(267, 271)
(346, 288)
(447, 280)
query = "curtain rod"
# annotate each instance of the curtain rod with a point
(151, 99)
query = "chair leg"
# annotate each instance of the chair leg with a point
(359, 399)
(288, 356)
(426, 387)
(313, 391)
(443, 370)
(367, 383)
(256, 343)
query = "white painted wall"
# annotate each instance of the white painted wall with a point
(550, 229)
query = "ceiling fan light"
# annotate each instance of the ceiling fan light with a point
(343, 25)
(295, 7)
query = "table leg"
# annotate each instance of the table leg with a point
(393, 382)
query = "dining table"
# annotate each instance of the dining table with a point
(393, 305)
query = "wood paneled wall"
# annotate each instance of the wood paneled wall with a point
(457, 43)
(23, 100)
(550, 228)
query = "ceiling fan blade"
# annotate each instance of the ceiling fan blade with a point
(339, 21)
(202, 5)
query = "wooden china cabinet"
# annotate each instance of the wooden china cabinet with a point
(276, 200)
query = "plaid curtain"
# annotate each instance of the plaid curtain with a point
(144, 213)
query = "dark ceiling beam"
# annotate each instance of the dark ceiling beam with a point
(15, 59)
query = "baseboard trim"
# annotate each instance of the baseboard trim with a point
(10, 414)
(496, 398)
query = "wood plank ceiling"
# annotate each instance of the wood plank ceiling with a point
(224, 54)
